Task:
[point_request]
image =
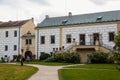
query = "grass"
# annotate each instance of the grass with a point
(47, 63)
(98, 72)
(16, 72)
(95, 66)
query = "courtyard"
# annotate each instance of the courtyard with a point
(59, 72)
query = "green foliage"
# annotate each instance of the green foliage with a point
(2, 59)
(65, 57)
(33, 57)
(98, 57)
(117, 41)
(19, 57)
(44, 56)
(116, 57)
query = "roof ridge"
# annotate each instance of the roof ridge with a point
(96, 17)
(85, 14)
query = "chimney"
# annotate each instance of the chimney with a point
(47, 16)
(70, 14)
(32, 19)
(9, 21)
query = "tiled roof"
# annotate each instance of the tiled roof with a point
(12, 23)
(109, 16)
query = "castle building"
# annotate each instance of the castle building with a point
(17, 38)
(85, 33)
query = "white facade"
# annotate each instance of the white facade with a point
(103, 30)
(48, 47)
(9, 41)
(74, 31)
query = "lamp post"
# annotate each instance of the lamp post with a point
(22, 57)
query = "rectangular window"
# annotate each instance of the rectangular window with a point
(68, 38)
(6, 34)
(42, 40)
(15, 47)
(15, 33)
(82, 39)
(6, 47)
(28, 41)
(111, 36)
(52, 39)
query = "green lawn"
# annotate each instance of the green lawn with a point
(47, 63)
(84, 72)
(16, 72)
(95, 66)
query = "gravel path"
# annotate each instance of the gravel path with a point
(45, 72)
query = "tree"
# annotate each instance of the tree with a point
(117, 41)
(116, 55)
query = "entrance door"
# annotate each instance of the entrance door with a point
(82, 39)
(28, 53)
(95, 37)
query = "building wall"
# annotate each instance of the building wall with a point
(89, 30)
(48, 47)
(31, 46)
(10, 41)
(75, 31)
(29, 26)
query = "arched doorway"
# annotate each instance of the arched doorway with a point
(28, 53)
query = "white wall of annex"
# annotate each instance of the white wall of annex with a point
(48, 47)
(89, 30)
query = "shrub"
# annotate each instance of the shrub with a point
(116, 57)
(65, 57)
(2, 59)
(19, 57)
(44, 56)
(33, 57)
(50, 59)
(98, 57)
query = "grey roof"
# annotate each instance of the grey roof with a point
(109, 16)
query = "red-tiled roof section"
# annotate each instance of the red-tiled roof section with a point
(13, 23)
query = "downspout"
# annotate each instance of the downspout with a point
(19, 42)
(37, 43)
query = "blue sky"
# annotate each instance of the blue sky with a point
(26, 9)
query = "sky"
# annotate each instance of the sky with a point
(37, 9)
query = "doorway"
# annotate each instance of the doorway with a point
(82, 39)
(95, 37)
(28, 53)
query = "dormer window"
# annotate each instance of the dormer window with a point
(99, 18)
(64, 21)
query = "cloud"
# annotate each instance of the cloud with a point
(15, 3)
(42, 2)
(101, 2)
(7, 2)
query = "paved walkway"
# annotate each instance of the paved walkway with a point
(45, 72)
